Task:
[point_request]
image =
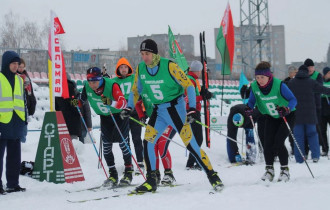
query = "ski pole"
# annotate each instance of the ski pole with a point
(255, 130)
(218, 132)
(100, 149)
(295, 141)
(144, 125)
(90, 136)
(122, 137)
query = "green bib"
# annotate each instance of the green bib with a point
(267, 103)
(95, 100)
(314, 75)
(125, 84)
(148, 105)
(326, 84)
(196, 88)
(161, 87)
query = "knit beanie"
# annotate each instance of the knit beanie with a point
(149, 45)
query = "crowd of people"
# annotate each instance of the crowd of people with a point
(159, 96)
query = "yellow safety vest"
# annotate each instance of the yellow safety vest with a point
(10, 102)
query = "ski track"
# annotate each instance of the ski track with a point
(243, 187)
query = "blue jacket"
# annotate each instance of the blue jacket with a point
(16, 128)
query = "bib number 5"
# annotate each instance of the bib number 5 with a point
(157, 92)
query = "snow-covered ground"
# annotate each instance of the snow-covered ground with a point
(243, 188)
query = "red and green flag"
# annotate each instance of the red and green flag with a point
(176, 52)
(226, 42)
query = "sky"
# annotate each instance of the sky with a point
(108, 23)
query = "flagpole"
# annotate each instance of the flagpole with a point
(223, 76)
(52, 96)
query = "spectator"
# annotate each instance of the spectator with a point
(325, 104)
(304, 89)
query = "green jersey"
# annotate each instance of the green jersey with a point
(326, 84)
(314, 75)
(161, 87)
(267, 103)
(95, 100)
(125, 84)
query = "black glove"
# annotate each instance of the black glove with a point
(125, 113)
(245, 91)
(248, 111)
(105, 100)
(191, 115)
(205, 93)
(283, 111)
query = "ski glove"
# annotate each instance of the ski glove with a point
(283, 111)
(248, 111)
(191, 115)
(205, 93)
(125, 113)
(105, 100)
(75, 102)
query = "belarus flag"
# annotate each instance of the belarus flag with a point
(226, 42)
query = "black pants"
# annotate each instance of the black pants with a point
(110, 135)
(198, 133)
(276, 132)
(325, 120)
(13, 161)
(136, 137)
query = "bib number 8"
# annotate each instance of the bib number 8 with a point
(157, 92)
(271, 108)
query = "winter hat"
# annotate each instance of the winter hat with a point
(94, 74)
(149, 45)
(326, 70)
(15, 59)
(303, 68)
(238, 119)
(265, 72)
(309, 62)
(196, 66)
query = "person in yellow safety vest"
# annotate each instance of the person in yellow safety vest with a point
(13, 125)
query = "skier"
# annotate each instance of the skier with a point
(164, 83)
(101, 93)
(275, 100)
(125, 77)
(201, 93)
(161, 147)
(238, 119)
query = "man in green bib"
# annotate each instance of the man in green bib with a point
(102, 93)
(164, 83)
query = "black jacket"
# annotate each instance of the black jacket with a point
(304, 90)
(319, 79)
(325, 106)
(70, 112)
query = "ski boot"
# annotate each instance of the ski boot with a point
(112, 181)
(284, 175)
(137, 171)
(168, 178)
(2, 191)
(158, 177)
(127, 178)
(269, 174)
(215, 181)
(15, 189)
(150, 185)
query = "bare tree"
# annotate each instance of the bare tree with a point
(10, 32)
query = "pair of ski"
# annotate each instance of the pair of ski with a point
(98, 188)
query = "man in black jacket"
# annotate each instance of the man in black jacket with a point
(314, 75)
(304, 89)
(325, 118)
